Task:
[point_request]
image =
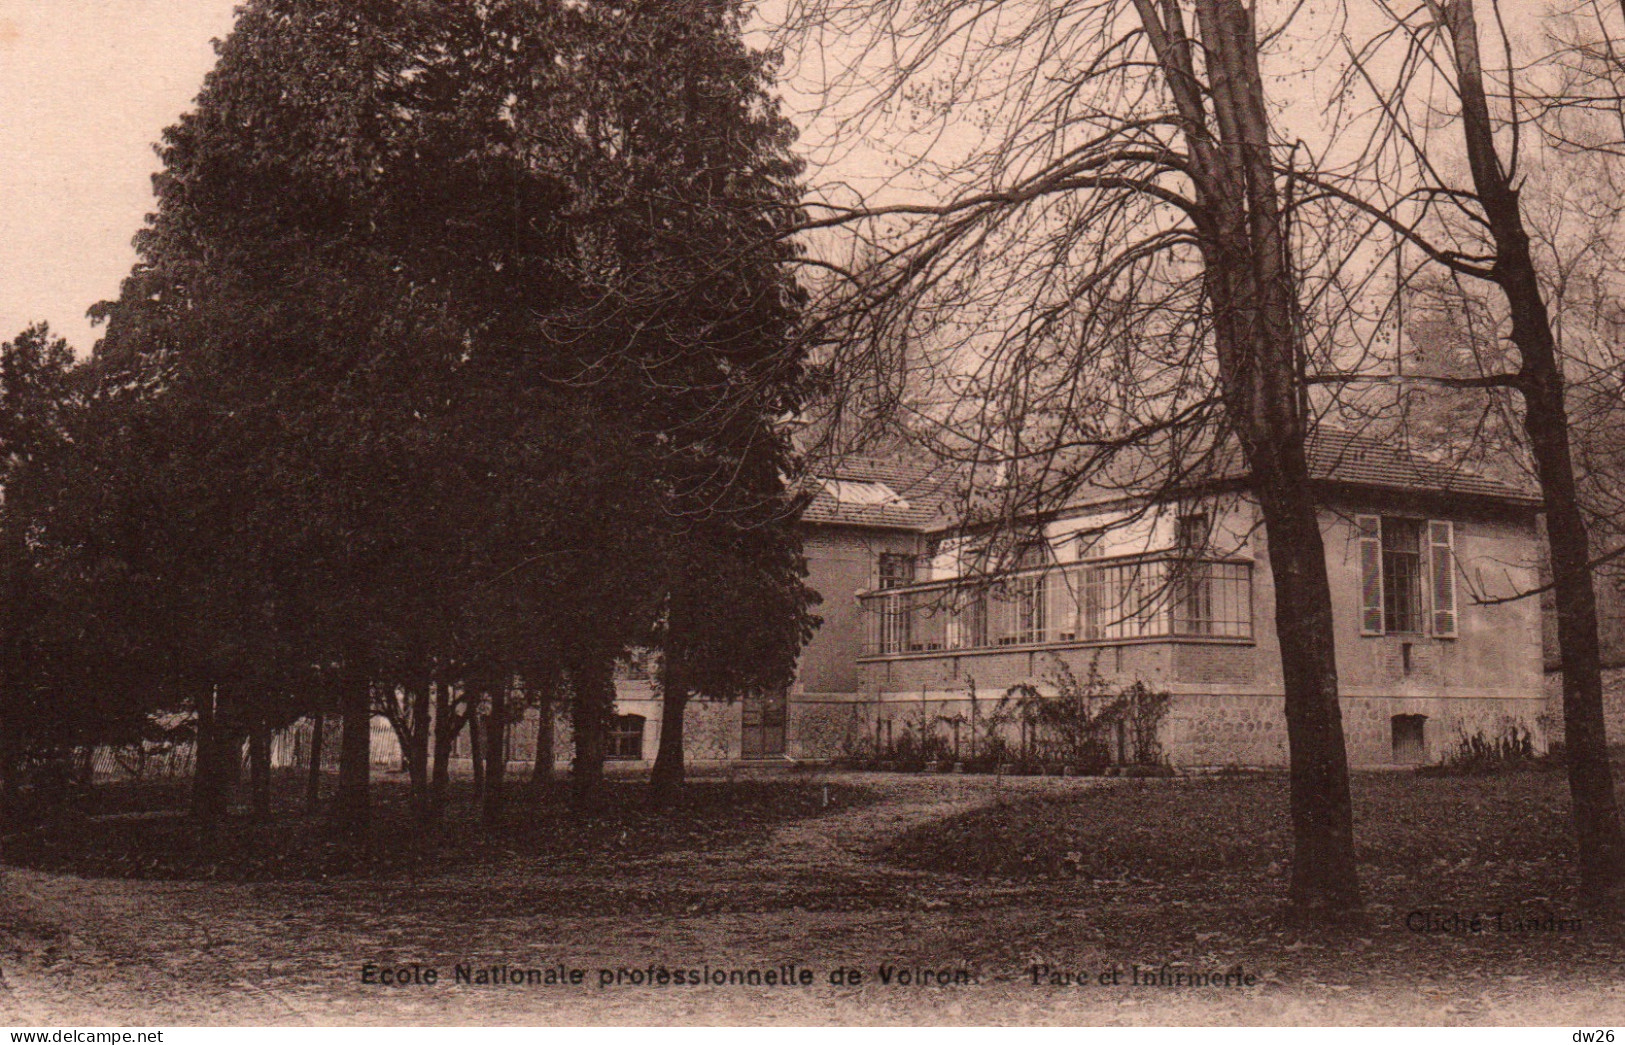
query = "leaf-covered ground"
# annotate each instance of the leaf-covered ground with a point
(1046, 896)
(1498, 840)
(128, 833)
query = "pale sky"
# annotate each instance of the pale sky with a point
(86, 87)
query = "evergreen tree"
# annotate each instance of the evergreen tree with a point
(449, 317)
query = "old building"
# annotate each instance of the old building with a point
(868, 523)
(923, 631)
(1177, 594)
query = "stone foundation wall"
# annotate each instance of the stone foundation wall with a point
(1224, 731)
(1613, 696)
(1251, 730)
(827, 727)
(1228, 729)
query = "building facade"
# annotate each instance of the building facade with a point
(924, 633)
(865, 516)
(1424, 566)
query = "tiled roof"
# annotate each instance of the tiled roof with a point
(1342, 457)
(1336, 457)
(924, 493)
(930, 497)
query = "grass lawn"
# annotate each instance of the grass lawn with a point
(122, 832)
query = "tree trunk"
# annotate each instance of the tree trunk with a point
(208, 794)
(1591, 787)
(667, 777)
(476, 748)
(230, 750)
(496, 756)
(11, 709)
(313, 779)
(1251, 290)
(1325, 883)
(1252, 296)
(8, 762)
(1591, 782)
(259, 770)
(351, 802)
(445, 735)
(542, 773)
(592, 682)
(416, 749)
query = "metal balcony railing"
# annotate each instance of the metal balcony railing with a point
(1110, 600)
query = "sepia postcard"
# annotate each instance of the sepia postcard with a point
(556, 513)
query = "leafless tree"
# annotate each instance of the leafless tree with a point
(1078, 269)
(1457, 199)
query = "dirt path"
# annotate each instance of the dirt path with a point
(811, 894)
(199, 952)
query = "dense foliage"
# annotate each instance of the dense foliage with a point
(456, 345)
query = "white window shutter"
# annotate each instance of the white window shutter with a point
(1369, 529)
(1442, 558)
(1089, 604)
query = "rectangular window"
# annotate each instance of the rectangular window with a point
(1031, 607)
(1193, 598)
(896, 570)
(1409, 734)
(1018, 610)
(1125, 601)
(625, 738)
(762, 721)
(1402, 574)
(968, 625)
(1092, 604)
(1190, 534)
(1213, 598)
(896, 623)
(1407, 576)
